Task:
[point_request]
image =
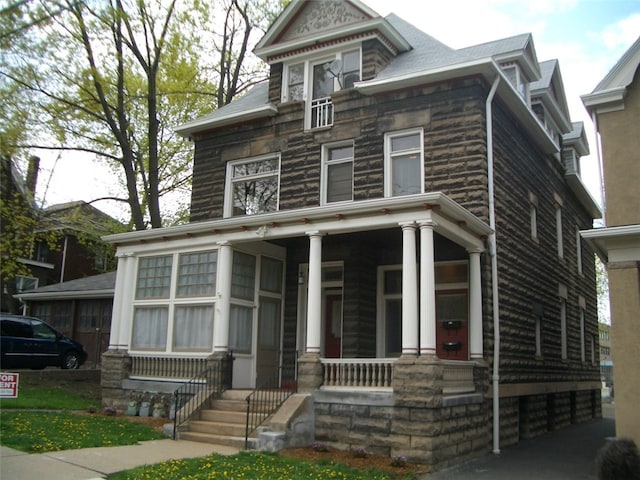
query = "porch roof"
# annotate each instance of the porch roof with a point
(449, 218)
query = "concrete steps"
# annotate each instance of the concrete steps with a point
(223, 423)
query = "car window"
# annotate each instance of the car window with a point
(15, 329)
(41, 330)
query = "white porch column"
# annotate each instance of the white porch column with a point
(427, 290)
(409, 290)
(314, 299)
(116, 315)
(223, 305)
(125, 302)
(475, 306)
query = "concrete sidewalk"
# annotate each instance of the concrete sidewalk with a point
(566, 454)
(94, 463)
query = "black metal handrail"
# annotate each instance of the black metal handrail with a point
(265, 399)
(190, 396)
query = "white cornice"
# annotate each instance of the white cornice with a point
(205, 123)
(357, 216)
(605, 101)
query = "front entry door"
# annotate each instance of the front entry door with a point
(268, 354)
(333, 325)
(452, 325)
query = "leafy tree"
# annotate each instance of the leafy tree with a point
(113, 78)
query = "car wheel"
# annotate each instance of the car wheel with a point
(71, 361)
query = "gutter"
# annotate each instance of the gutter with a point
(494, 270)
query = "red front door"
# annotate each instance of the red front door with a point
(333, 325)
(452, 325)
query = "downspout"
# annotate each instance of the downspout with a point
(494, 270)
(64, 259)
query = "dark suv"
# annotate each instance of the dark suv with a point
(29, 342)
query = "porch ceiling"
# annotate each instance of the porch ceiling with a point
(448, 217)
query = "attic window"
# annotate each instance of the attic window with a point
(315, 79)
(514, 74)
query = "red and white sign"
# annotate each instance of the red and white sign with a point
(9, 385)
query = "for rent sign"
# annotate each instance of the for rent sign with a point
(9, 385)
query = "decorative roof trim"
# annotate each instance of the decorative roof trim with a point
(331, 43)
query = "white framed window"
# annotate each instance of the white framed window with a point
(252, 186)
(538, 327)
(174, 307)
(583, 335)
(337, 173)
(193, 328)
(517, 79)
(150, 328)
(562, 292)
(404, 163)
(559, 239)
(533, 216)
(294, 77)
(315, 78)
(243, 295)
(578, 251)
(154, 277)
(24, 283)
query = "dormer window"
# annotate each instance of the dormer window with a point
(314, 80)
(514, 74)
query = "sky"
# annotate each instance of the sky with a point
(587, 37)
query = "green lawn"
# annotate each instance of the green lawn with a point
(248, 465)
(38, 432)
(49, 398)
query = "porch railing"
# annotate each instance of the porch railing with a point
(192, 395)
(149, 367)
(370, 373)
(265, 399)
(457, 377)
(321, 112)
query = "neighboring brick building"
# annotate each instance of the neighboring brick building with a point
(400, 217)
(615, 107)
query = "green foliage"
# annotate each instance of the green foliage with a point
(113, 79)
(249, 465)
(48, 432)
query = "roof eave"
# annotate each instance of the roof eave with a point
(186, 130)
(584, 197)
(606, 100)
(106, 293)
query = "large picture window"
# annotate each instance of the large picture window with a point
(252, 186)
(197, 274)
(174, 306)
(193, 327)
(404, 163)
(150, 328)
(337, 171)
(154, 277)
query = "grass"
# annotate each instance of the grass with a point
(48, 398)
(37, 432)
(248, 465)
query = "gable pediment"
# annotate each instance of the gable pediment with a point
(321, 17)
(308, 24)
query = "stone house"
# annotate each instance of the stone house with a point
(400, 220)
(615, 106)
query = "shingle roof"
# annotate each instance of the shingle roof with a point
(623, 72)
(104, 281)
(497, 47)
(427, 52)
(546, 75)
